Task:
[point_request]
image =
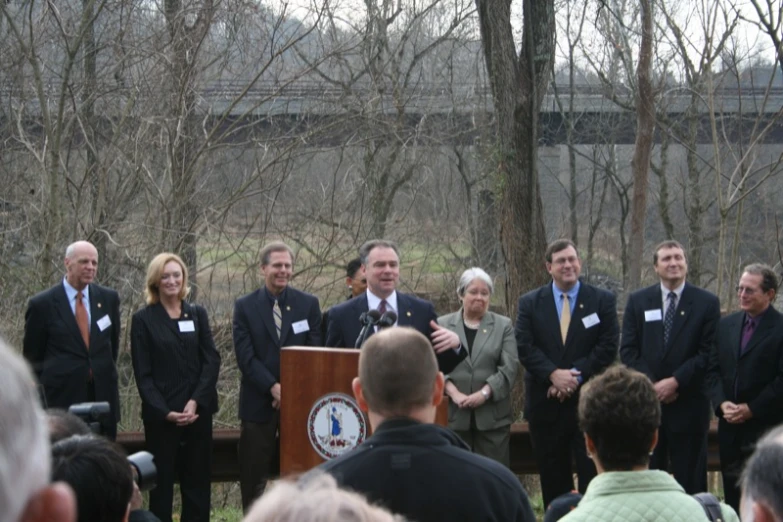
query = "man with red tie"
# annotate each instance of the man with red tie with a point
(745, 374)
(72, 337)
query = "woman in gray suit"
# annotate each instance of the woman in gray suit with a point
(480, 387)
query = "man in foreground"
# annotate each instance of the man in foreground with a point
(410, 465)
(762, 481)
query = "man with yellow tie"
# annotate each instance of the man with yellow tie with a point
(566, 331)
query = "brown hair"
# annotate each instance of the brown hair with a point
(620, 412)
(275, 246)
(669, 243)
(397, 371)
(368, 246)
(556, 246)
(155, 274)
(769, 279)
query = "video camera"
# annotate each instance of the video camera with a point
(94, 414)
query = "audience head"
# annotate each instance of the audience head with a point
(619, 413)
(25, 493)
(63, 424)
(99, 475)
(316, 498)
(762, 481)
(562, 505)
(398, 376)
(355, 278)
(162, 269)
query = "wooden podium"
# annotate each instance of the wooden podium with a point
(307, 374)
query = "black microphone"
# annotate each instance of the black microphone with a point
(387, 319)
(369, 319)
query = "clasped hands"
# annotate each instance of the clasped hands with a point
(564, 384)
(474, 400)
(188, 415)
(735, 413)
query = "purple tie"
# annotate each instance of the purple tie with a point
(747, 333)
(382, 307)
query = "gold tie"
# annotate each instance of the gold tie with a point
(565, 317)
(278, 315)
(82, 320)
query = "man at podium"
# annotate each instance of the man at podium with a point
(381, 305)
(409, 465)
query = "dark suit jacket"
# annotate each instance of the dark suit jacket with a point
(758, 373)
(344, 326)
(173, 367)
(55, 349)
(257, 346)
(541, 349)
(685, 358)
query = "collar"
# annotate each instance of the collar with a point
(570, 293)
(756, 320)
(71, 291)
(373, 302)
(665, 291)
(272, 298)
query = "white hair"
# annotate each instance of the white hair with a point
(470, 275)
(315, 498)
(25, 458)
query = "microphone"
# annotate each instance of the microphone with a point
(368, 319)
(387, 319)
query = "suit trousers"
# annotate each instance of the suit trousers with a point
(732, 461)
(684, 455)
(555, 444)
(259, 457)
(183, 453)
(493, 444)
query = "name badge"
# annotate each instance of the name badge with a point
(652, 315)
(591, 320)
(104, 322)
(301, 326)
(187, 326)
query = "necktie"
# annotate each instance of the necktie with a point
(278, 315)
(668, 320)
(82, 321)
(747, 333)
(565, 317)
(382, 307)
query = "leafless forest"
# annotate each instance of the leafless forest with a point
(470, 132)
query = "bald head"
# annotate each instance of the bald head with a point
(398, 373)
(762, 480)
(81, 264)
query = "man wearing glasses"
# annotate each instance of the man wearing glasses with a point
(745, 375)
(668, 329)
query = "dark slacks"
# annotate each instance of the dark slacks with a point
(259, 457)
(684, 455)
(556, 445)
(183, 453)
(733, 455)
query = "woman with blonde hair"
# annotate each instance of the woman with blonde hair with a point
(176, 366)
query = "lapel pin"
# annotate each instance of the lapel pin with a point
(186, 315)
(408, 313)
(682, 312)
(99, 305)
(484, 330)
(288, 308)
(581, 305)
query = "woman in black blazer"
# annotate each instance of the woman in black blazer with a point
(176, 366)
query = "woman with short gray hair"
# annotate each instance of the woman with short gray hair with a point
(480, 387)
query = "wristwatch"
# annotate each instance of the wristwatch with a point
(485, 393)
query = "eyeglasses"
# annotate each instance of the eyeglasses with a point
(746, 290)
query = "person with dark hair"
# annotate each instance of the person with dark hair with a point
(762, 480)
(668, 330)
(745, 374)
(619, 412)
(381, 265)
(72, 337)
(409, 465)
(566, 332)
(63, 424)
(274, 316)
(356, 282)
(176, 365)
(99, 476)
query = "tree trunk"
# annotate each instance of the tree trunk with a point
(645, 127)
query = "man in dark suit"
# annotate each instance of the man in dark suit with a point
(566, 333)
(381, 264)
(411, 466)
(745, 374)
(72, 337)
(668, 329)
(265, 321)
